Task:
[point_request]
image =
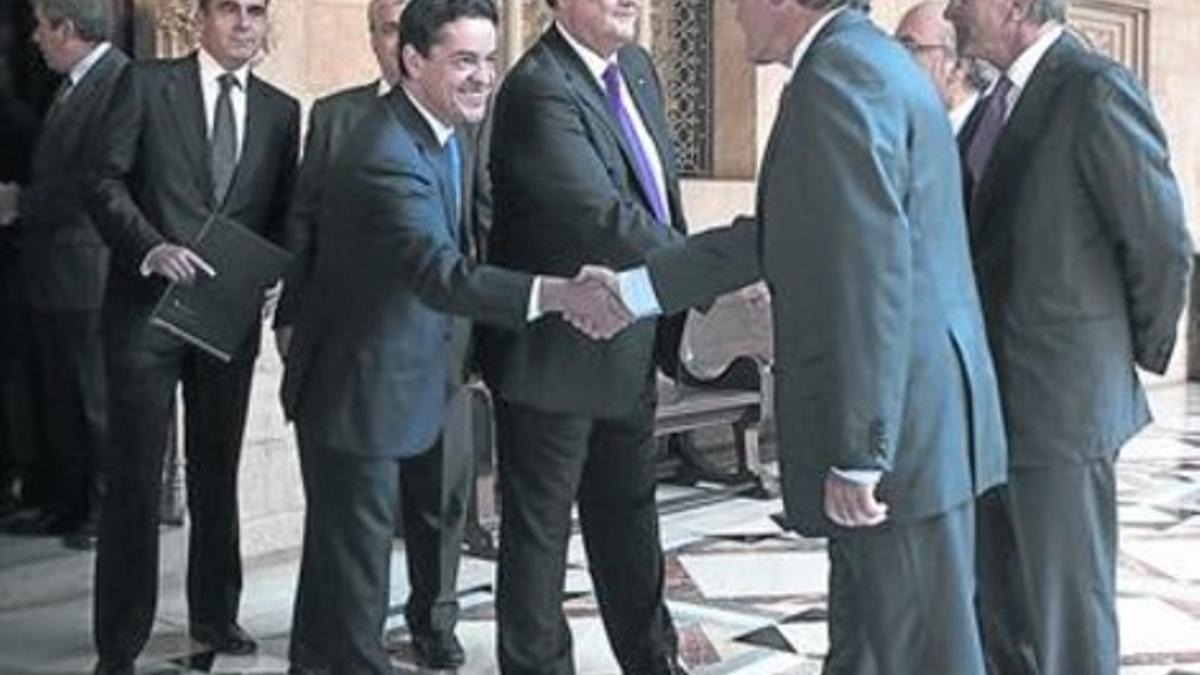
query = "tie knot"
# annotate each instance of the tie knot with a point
(228, 81)
(1003, 87)
(612, 79)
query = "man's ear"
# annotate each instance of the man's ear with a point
(411, 60)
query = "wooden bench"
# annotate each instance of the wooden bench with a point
(725, 382)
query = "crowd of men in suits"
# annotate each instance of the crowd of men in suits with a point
(958, 321)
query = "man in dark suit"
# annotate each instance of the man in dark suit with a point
(367, 382)
(18, 430)
(1082, 256)
(583, 172)
(889, 418)
(434, 485)
(185, 139)
(65, 263)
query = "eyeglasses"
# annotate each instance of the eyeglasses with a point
(915, 47)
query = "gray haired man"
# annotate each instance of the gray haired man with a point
(1082, 257)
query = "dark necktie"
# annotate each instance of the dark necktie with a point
(60, 98)
(454, 166)
(985, 134)
(223, 144)
(641, 164)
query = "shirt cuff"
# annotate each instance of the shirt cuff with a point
(638, 293)
(859, 476)
(534, 310)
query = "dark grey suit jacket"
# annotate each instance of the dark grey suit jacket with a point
(881, 357)
(329, 124)
(64, 261)
(154, 181)
(1082, 257)
(367, 371)
(565, 194)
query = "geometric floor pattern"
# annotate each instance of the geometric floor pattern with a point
(747, 598)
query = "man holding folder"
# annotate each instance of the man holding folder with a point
(185, 139)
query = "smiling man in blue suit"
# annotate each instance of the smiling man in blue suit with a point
(367, 371)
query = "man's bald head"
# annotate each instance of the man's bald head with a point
(924, 24)
(930, 38)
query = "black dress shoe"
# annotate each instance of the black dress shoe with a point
(438, 650)
(113, 668)
(228, 639)
(46, 524)
(83, 538)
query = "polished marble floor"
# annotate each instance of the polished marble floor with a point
(748, 598)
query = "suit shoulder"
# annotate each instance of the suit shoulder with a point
(276, 95)
(151, 70)
(538, 68)
(1086, 82)
(345, 99)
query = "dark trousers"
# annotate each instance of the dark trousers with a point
(1064, 530)
(144, 366)
(1000, 597)
(69, 362)
(345, 574)
(19, 450)
(849, 653)
(546, 461)
(434, 489)
(909, 593)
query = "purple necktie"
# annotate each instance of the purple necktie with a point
(641, 165)
(987, 132)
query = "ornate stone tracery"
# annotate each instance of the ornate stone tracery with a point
(683, 33)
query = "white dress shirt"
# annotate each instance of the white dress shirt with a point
(1022, 68)
(210, 88)
(210, 71)
(962, 111)
(82, 66)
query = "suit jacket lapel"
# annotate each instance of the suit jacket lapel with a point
(642, 90)
(183, 97)
(583, 83)
(430, 149)
(56, 135)
(1023, 128)
(254, 142)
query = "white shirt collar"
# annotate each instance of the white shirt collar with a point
(441, 130)
(595, 63)
(960, 112)
(811, 36)
(1022, 68)
(81, 67)
(210, 70)
(383, 88)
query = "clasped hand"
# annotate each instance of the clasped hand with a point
(177, 263)
(591, 302)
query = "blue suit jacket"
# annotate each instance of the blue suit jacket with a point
(367, 371)
(881, 357)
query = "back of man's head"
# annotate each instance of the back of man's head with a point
(1041, 11)
(820, 5)
(90, 17)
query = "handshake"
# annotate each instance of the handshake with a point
(591, 302)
